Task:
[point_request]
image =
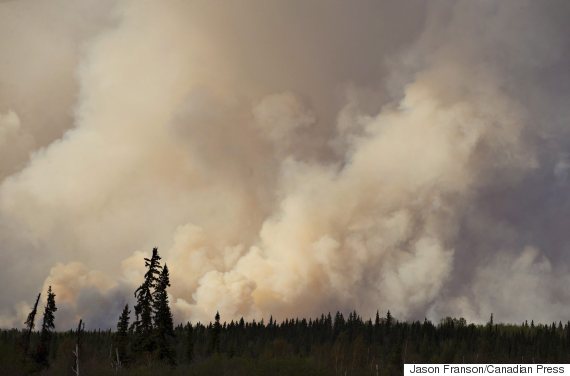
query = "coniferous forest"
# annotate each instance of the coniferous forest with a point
(334, 187)
(146, 342)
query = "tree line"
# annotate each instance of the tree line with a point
(336, 344)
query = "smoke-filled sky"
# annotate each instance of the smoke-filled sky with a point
(287, 158)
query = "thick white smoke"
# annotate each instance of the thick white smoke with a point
(289, 158)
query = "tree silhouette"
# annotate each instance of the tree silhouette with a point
(163, 321)
(143, 325)
(216, 331)
(389, 319)
(47, 327)
(122, 335)
(319, 345)
(30, 325)
(189, 343)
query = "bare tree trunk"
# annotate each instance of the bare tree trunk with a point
(75, 368)
(115, 363)
(30, 326)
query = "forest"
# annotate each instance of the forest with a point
(331, 344)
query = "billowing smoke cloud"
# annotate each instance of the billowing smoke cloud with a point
(288, 158)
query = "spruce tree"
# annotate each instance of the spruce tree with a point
(143, 325)
(189, 343)
(216, 331)
(30, 323)
(389, 319)
(47, 327)
(163, 321)
(122, 336)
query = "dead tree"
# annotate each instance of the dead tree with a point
(30, 325)
(80, 328)
(115, 363)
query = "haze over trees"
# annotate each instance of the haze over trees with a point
(336, 344)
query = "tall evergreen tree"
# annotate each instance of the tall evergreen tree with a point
(216, 332)
(47, 327)
(163, 321)
(143, 325)
(189, 343)
(122, 336)
(389, 319)
(30, 323)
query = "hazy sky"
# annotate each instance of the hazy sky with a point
(286, 157)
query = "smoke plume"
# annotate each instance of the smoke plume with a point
(288, 158)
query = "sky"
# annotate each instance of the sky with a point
(287, 158)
